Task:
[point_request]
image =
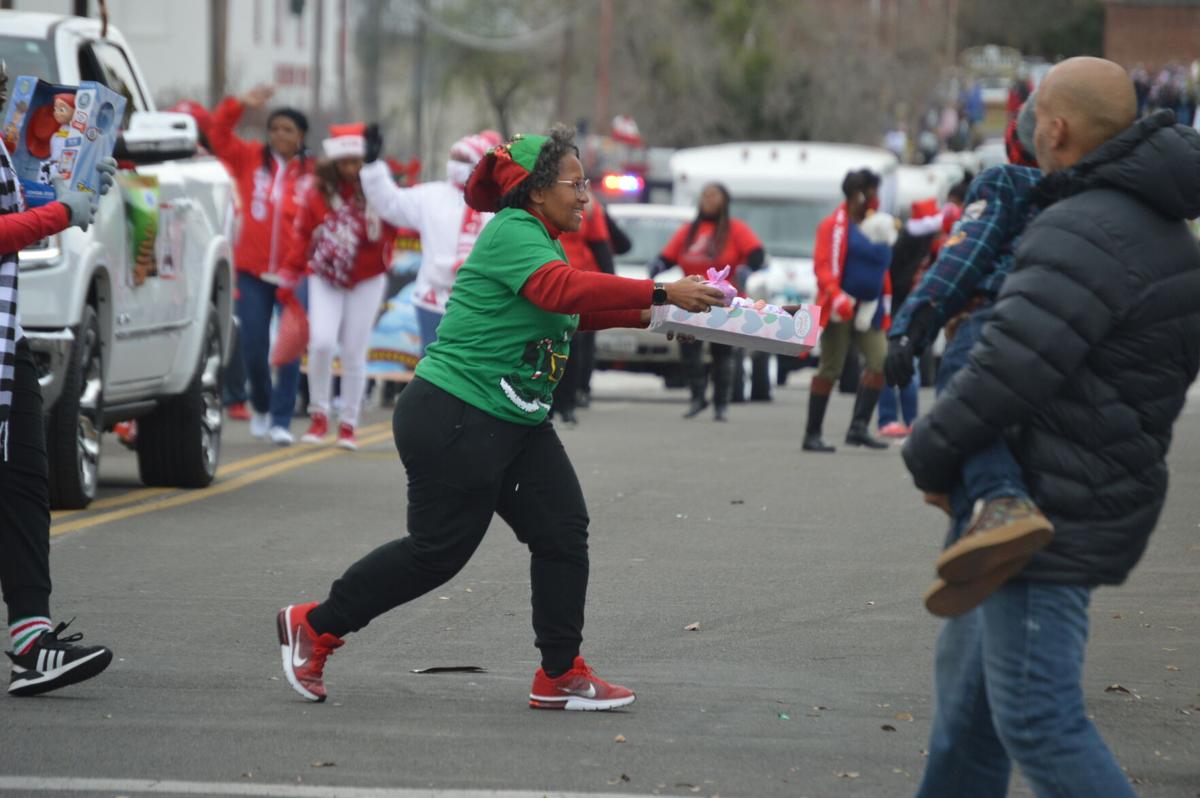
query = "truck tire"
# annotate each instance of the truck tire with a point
(179, 444)
(73, 426)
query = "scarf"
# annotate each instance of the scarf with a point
(338, 240)
(468, 233)
(10, 202)
(837, 241)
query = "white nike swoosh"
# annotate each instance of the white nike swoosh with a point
(589, 693)
(296, 661)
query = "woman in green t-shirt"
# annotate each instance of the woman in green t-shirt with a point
(472, 430)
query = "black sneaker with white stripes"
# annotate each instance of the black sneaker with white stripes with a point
(55, 662)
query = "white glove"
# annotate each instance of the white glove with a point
(880, 228)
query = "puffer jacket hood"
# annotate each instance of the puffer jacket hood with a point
(1155, 159)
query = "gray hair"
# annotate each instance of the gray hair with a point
(1026, 122)
(545, 169)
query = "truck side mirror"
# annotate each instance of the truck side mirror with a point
(156, 136)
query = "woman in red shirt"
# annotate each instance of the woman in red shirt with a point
(712, 240)
(344, 247)
(265, 175)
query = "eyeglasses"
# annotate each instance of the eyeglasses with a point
(581, 186)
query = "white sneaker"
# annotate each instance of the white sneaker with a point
(281, 437)
(260, 423)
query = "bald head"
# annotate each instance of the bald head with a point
(1081, 103)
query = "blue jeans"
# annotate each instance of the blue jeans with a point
(989, 473)
(1008, 689)
(256, 305)
(233, 392)
(428, 321)
(888, 410)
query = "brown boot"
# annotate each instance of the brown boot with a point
(1001, 531)
(950, 599)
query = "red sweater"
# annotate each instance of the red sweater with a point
(19, 230)
(373, 253)
(267, 197)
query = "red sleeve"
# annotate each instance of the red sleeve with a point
(674, 247)
(558, 288)
(309, 214)
(233, 151)
(745, 239)
(604, 319)
(827, 284)
(19, 230)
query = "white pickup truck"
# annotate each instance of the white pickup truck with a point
(112, 344)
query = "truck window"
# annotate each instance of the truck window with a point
(28, 57)
(105, 62)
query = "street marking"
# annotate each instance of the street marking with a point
(216, 489)
(135, 496)
(23, 784)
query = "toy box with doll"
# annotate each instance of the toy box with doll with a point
(54, 131)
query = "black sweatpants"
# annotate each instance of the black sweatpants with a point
(463, 467)
(25, 499)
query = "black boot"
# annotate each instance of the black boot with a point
(698, 405)
(719, 413)
(864, 407)
(817, 403)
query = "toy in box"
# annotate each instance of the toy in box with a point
(54, 131)
(751, 324)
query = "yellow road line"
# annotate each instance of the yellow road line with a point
(217, 489)
(135, 496)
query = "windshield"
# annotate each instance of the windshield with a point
(28, 57)
(787, 228)
(648, 235)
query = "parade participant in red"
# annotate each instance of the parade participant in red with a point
(345, 248)
(472, 430)
(587, 249)
(265, 176)
(714, 239)
(851, 270)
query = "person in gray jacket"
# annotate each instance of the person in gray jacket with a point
(1082, 369)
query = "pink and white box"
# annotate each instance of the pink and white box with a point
(745, 323)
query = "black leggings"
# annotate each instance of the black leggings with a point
(464, 466)
(25, 499)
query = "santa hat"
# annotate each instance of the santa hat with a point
(346, 141)
(502, 168)
(196, 111)
(469, 149)
(925, 218)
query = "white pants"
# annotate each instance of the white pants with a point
(340, 320)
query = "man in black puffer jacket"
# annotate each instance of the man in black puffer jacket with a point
(1082, 370)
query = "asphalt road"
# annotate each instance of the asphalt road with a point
(810, 674)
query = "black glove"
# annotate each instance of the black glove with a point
(374, 141)
(898, 365)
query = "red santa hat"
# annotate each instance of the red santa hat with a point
(925, 217)
(346, 141)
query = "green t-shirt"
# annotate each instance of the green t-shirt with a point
(495, 349)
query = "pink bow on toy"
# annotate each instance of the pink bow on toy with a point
(720, 280)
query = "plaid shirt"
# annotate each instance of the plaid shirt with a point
(979, 252)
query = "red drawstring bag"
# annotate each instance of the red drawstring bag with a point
(291, 339)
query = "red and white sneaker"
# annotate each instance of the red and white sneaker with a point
(304, 651)
(578, 688)
(894, 429)
(317, 430)
(346, 439)
(238, 412)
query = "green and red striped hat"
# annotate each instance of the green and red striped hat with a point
(502, 169)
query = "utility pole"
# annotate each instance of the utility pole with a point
(369, 55)
(79, 8)
(343, 96)
(418, 108)
(318, 50)
(218, 20)
(564, 75)
(600, 124)
(951, 32)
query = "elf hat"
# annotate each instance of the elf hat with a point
(502, 168)
(346, 141)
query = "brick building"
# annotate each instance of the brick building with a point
(1151, 32)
